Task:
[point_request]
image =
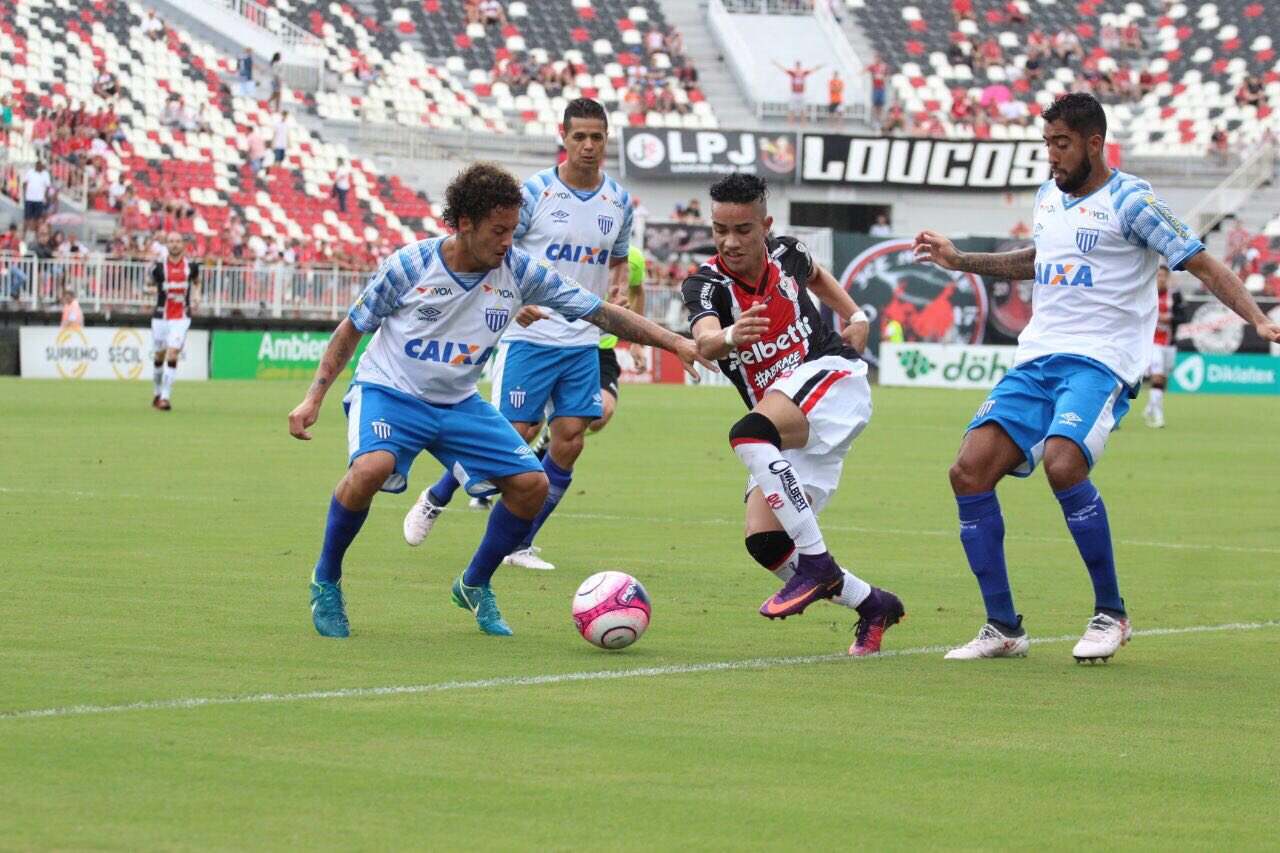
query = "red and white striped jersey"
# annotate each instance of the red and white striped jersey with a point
(173, 281)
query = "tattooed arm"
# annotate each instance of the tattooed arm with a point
(1020, 265)
(1230, 290)
(632, 327)
(336, 357)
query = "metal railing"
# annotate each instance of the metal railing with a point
(1228, 196)
(269, 18)
(771, 7)
(111, 286)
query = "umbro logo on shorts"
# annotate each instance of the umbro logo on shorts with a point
(516, 398)
(382, 429)
(1071, 419)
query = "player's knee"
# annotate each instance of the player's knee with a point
(1065, 466)
(159, 359)
(755, 427)
(173, 362)
(770, 548)
(524, 494)
(966, 477)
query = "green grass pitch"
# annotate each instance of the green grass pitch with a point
(151, 557)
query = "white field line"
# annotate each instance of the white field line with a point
(736, 522)
(560, 678)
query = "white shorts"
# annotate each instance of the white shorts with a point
(797, 102)
(1162, 358)
(169, 334)
(835, 396)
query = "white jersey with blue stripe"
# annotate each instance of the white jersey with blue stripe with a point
(434, 329)
(578, 233)
(1096, 262)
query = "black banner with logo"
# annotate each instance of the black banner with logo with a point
(932, 163)
(657, 153)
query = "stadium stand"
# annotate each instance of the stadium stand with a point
(435, 64)
(54, 51)
(1172, 73)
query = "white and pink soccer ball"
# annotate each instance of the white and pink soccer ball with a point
(611, 610)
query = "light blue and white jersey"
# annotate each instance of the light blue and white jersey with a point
(434, 328)
(1096, 262)
(578, 233)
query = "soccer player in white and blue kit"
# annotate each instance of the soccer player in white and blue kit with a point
(436, 309)
(578, 219)
(1099, 237)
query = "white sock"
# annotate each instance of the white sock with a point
(784, 494)
(787, 570)
(1157, 399)
(166, 383)
(854, 591)
(156, 378)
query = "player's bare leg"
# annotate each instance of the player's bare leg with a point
(986, 455)
(157, 378)
(348, 510)
(1067, 470)
(1153, 414)
(523, 498)
(609, 404)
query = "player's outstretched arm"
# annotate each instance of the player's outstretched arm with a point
(335, 359)
(632, 327)
(932, 248)
(1230, 290)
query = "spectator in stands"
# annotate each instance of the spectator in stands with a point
(470, 12)
(42, 132)
(255, 148)
(363, 71)
(1014, 111)
(171, 116)
(277, 83)
(6, 119)
(105, 85)
(72, 316)
(202, 120)
(895, 122)
(1109, 38)
(962, 110)
(37, 187)
(1218, 143)
(280, 137)
(1131, 37)
(43, 245)
(835, 99)
(1067, 47)
(797, 110)
(244, 75)
(492, 14)
(152, 26)
(981, 125)
(1146, 81)
(654, 42)
(1014, 14)
(1238, 239)
(878, 71)
(989, 53)
(686, 75)
(11, 240)
(1251, 93)
(675, 43)
(342, 184)
(960, 51)
(881, 227)
(962, 10)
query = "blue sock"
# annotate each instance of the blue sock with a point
(504, 532)
(982, 534)
(559, 480)
(1087, 521)
(341, 527)
(442, 492)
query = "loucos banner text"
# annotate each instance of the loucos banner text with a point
(824, 158)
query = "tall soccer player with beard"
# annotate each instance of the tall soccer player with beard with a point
(177, 281)
(750, 308)
(577, 219)
(436, 309)
(1099, 237)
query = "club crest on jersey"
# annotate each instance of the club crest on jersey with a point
(517, 398)
(1086, 239)
(605, 223)
(496, 318)
(787, 287)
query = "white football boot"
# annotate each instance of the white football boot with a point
(1103, 636)
(991, 643)
(481, 503)
(527, 558)
(420, 519)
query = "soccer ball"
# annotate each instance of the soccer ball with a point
(611, 610)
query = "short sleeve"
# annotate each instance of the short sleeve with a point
(1148, 222)
(699, 298)
(805, 265)
(528, 201)
(622, 245)
(383, 292)
(540, 284)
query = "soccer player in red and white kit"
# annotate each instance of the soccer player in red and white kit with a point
(1163, 350)
(177, 281)
(750, 308)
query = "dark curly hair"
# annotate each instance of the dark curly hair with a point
(740, 188)
(477, 190)
(1079, 111)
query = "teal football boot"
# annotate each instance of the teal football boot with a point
(480, 601)
(329, 609)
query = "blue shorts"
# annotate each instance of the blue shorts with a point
(1067, 395)
(469, 438)
(527, 375)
